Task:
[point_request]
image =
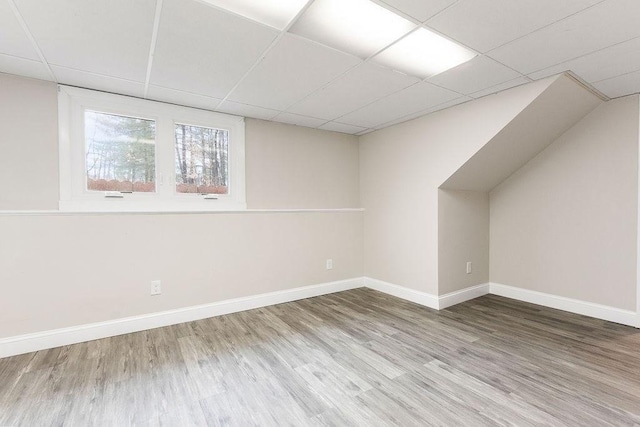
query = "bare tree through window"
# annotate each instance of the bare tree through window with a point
(202, 160)
(120, 153)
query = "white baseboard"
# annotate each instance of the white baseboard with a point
(453, 298)
(598, 311)
(422, 298)
(611, 314)
(59, 337)
(428, 300)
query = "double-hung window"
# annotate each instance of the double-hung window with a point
(130, 154)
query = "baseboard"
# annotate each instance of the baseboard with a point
(422, 298)
(457, 297)
(12, 346)
(59, 337)
(611, 314)
(598, 311)
(428, 300)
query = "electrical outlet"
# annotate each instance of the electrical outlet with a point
(329, 264)
(156, 287)
(469, 267)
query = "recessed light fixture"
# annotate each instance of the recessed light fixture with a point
(360, 27)
(424, 54)
(275, 13)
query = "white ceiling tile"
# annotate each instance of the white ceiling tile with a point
(477, 74)
(612, 61)
(245, 110)
(487, 24)
(293, 69)
(78, 78)
(420, 9)
(173, 96)
(364, 132)
(106, 37)
(448, 104)
(295, 119)
(400, 104)
(13, 39)
(23, 67)
(202, 49)
(357, 88)
(421, 113)
(603, 25)
(615, 87)
(500, 87)
(340, 127)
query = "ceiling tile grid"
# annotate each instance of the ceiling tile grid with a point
(341, 127)
(202, 49)
(295, 119)
(399, 104)
(13, 39)
(439, 107)
(619, 59)
(500, 87)
(172, 96)
(207, 55)
(247, 110)
(353, 90)
(487, 24)
(24, 67)
(598, 27)
(620, 85)
(294, 68)
(420, 10)
(478, 74)
(108, 38)
(96, 81)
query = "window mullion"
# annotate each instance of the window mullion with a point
(165, 166)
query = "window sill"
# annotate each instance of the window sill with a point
(171, 212)
(124, 205)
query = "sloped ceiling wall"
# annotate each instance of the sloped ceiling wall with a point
(463, 220)
(401, 168)
(564, 103)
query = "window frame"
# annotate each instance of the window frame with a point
(74, 195)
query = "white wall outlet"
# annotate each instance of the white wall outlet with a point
(469, 267)
(329, 264)
(156, 287)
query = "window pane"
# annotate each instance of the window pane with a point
(120, 153)
(202, 160)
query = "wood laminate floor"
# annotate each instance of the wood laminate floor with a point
(352, 358)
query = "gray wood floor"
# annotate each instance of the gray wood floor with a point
(351, 358)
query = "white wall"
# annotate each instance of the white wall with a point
(566, 223)
(297, 167)
(463, 236)
(401, 168)
(59, 270)
(65, 270)
(29, 128)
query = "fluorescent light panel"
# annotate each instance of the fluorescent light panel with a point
(424, 54)
(275, 13)
(360, 27)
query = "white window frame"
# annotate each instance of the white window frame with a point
(74, 196)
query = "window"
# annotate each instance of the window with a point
(202, 160)
(120, 153)
(129, 154)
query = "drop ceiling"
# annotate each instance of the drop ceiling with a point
(199, 53)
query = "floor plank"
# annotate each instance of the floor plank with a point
(358, 358)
